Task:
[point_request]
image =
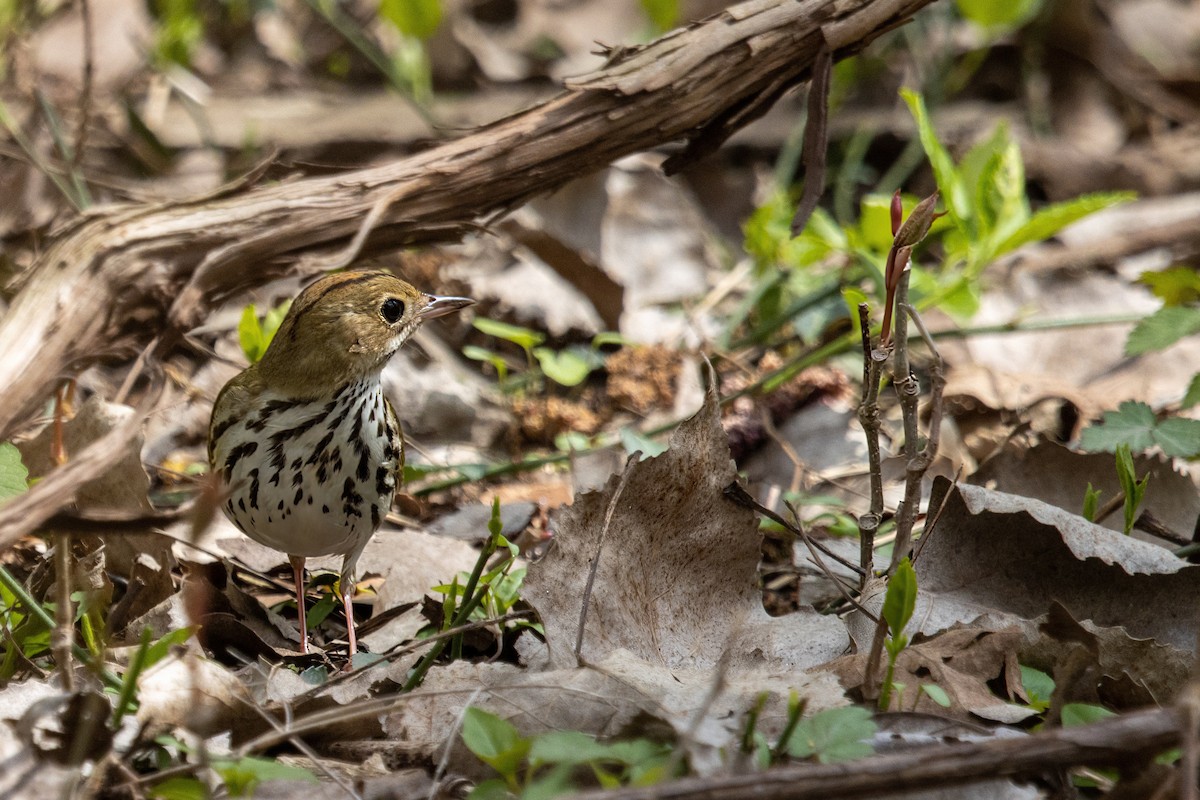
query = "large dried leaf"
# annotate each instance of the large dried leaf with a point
(1003, 559)
(676, 582)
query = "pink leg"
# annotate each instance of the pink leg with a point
(348, 587)
(298, 577)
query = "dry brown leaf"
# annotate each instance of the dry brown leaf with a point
(676, 583)
(960, 661)
(997, 559)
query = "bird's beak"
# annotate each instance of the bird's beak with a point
(441, 306)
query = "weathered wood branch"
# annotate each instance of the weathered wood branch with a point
(1127, 739)
(121, 276)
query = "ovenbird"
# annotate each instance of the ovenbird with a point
(307, 445)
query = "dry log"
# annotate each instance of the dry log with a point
(1127, 739)
(123, 277)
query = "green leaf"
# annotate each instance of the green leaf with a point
(663, 14)
(569, 367)
(1135, 425)
(497, 361)
(937, 694)
(1132, 424)
(609, 337)
(901, 598)
(948, 180)
(566, 747)
(1126, 473)
(272, 320)
(1091, 502)
(991, 14)
(1083, 714)
(494, 741)
(1178, 437)
(14, 477)
(836, 734)
(1050, 220)
(416, 18)
(524, 338)
(1192, 395)
(179, 788)
(241, 777)
(1038, 687)
(1162, 329)
(250, 334)
(633, 441)
(493, 789)
(1175, 286)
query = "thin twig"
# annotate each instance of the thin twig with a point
(868, 417)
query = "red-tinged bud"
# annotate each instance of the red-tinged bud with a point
(917, 225)
(897, 212)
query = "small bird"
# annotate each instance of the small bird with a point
(308, 447)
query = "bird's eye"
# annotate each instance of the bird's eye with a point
(392, 309)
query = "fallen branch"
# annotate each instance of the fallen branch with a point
(1126, 739)
(118, 278)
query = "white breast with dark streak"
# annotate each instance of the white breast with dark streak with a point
(313, 478)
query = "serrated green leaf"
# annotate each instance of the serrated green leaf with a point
(416, 18)
(14, 477)
(901, 598)
(1052, 219)
(1162, 329)
(836, 734)
(1132, 424)
(949, 182)
(1178, 437)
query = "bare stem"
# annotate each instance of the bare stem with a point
(868, 416)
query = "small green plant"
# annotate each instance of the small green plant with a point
(180, 31)
(549, 764)
(1134, 489)
(836, 734)
(239, 777)
(1136, 426)
(492, 595)
(1038, 687)
(567, 367)
(415, 22)
(898, 606)
(1091, 502)
(663, 14)
(799, 280)
(255, 335)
